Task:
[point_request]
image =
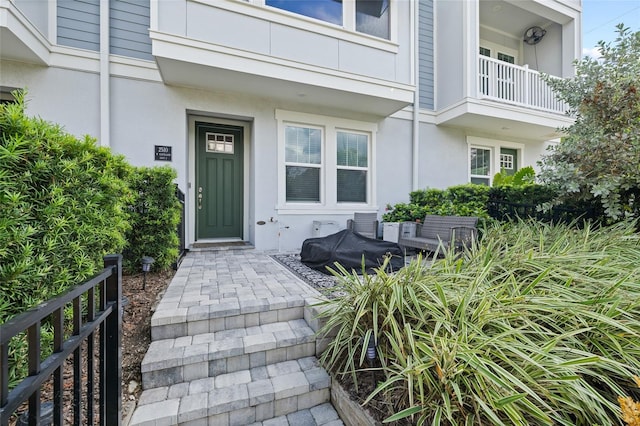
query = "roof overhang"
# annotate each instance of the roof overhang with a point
(190, 63)
(503, 119)
(19, 39)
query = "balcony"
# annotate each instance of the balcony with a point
(261, 51)
(490, 71)
(517, 85)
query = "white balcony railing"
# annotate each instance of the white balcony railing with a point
(505, 82)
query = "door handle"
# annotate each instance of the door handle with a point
(199, 198)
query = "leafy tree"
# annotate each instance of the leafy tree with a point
(599, 159)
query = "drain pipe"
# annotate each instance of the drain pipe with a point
(416, 101)
(105, 101)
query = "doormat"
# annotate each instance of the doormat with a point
(323, 283)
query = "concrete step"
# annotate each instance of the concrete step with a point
(320, 415)
(204, 355)
(282, 393)
(172, 320)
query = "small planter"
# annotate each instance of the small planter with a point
(390, 231)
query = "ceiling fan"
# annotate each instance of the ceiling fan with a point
(533, 35)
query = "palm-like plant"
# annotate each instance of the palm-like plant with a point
(538, 324)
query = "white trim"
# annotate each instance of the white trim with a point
(12, 18)
(105, 86)
(258, 9)
(52, 21)
(328, 192)
(471, 15)
(208, 54)
(74, 59)
(435, 56)
(89, 61)
(140, 69)
(415, 136)
(190, 191)
(492, 172)
(153, 15)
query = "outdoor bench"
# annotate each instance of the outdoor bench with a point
(439, 233)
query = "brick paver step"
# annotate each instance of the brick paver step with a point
(320, 415)
(204, 355)
(177, 318)
(266, 395)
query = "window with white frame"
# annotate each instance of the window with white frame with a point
(352, 167)
(327, 161)
(303, 163)
(372, 17)
(480, 165)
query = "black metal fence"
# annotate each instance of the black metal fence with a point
(89, 323)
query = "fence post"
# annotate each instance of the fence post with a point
(113, 352)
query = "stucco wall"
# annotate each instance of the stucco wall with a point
(146, 113)
(66, 97)
(546, 56)
(451, 58)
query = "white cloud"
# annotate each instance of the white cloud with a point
(594, 52)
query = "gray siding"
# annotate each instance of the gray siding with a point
(79, 23)
(426, 54)
(129, 28)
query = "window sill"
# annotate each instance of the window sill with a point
(318, 209)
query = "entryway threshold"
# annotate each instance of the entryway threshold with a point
(221, 245)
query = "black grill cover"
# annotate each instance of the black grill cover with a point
(347, 248)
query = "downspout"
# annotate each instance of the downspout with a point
(105, 102)
(416, 101)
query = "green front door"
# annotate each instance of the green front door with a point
(219, 187)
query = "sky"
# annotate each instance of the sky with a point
(600, 17)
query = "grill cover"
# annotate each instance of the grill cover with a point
(347, 248)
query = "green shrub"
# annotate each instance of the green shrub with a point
(509, 202)
(62, 208)
(460, 200)
(154, 217)
(538, 324)
(524, 176)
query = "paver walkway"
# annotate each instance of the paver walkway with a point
(231, 346)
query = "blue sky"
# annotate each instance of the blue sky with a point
(599, 18)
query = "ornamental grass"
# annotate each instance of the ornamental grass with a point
(536, 324)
